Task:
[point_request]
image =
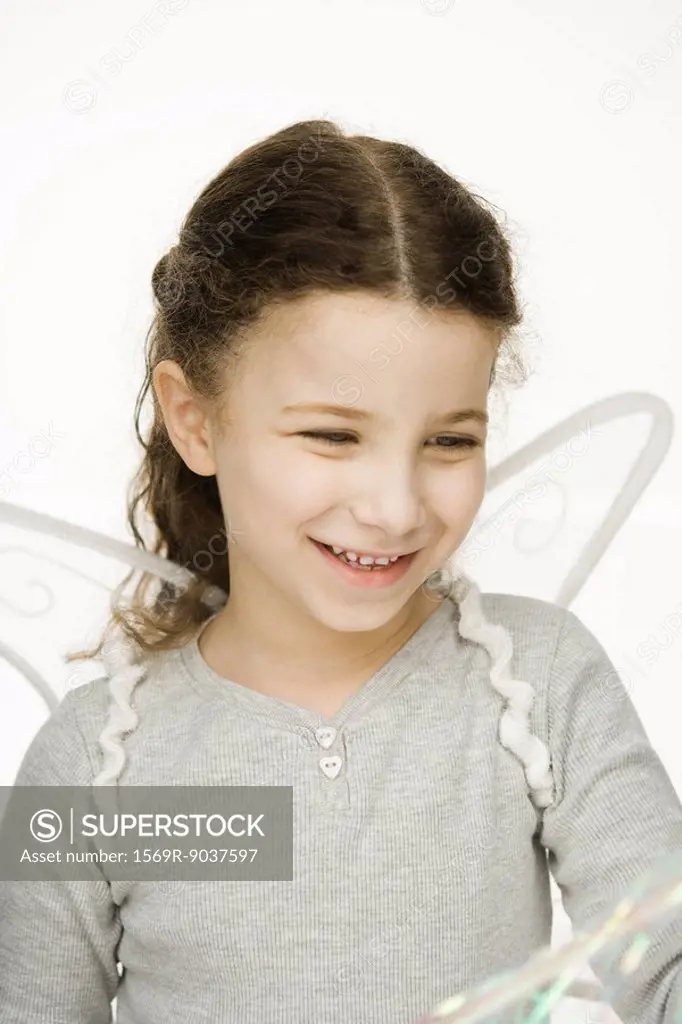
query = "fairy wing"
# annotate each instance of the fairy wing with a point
(553, 507)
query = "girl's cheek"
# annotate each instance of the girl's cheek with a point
(461, 494)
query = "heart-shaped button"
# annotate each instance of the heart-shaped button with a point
(325, 736)
(331, 766)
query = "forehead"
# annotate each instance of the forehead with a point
(308, 343)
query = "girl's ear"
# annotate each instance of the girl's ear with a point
(185, 417)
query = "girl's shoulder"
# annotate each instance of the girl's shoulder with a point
(66, 750)
(59, 753)
(536, 626)
(523, 612)
(551, 645)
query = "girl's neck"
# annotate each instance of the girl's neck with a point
(287, 656)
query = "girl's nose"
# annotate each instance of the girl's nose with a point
(391, 503)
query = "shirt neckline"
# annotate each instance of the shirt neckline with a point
(210, 685)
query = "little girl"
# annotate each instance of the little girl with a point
(328, 331)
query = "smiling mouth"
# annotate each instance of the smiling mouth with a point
(379, 563)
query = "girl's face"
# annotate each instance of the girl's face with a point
(357, 422)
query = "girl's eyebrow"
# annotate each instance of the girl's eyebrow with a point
(351, 412)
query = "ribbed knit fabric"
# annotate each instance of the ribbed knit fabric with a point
(420, 870)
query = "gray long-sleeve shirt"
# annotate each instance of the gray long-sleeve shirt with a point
(419, 870)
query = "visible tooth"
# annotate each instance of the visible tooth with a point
(351, 556)
(337, 551)
(365, 560)
(382, 561)
(394, 559)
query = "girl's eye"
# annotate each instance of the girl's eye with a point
(328, 438)
(458, 442)
(455, 443)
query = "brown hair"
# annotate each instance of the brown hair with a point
(310, 208)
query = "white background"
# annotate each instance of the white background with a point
(567, 117)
